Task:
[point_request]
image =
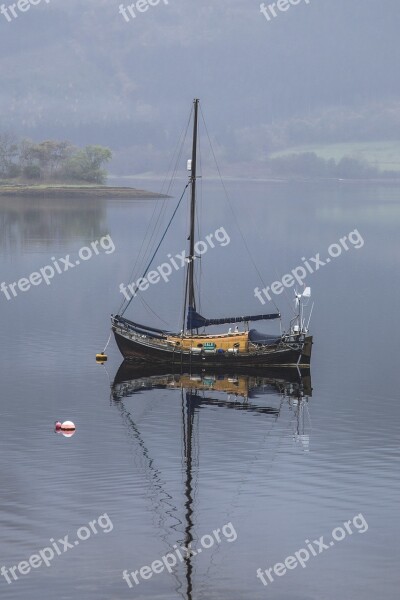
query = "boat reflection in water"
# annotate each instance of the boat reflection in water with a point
(241, 390)
(266, 394)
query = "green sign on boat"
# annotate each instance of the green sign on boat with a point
(209, 346)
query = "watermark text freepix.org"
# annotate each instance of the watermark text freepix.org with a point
(314, 548)
(310, 266)
(270, 11)
(59, 266)
(181, 553)
(140, 6)
(176, 262)
(12, 11)
(46, 555)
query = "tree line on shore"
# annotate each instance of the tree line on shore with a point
(51, 161)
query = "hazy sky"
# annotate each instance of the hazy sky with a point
(78, 70)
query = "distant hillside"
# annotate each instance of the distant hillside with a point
(384, 156)
(325, 73)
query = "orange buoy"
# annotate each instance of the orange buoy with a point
(101, 357)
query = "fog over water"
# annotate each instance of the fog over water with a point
(317, 73)
(249, 469)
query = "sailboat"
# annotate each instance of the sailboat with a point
(245, 348)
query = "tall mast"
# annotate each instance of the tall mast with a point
(191, 298)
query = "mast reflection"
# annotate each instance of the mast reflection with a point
(258, 392)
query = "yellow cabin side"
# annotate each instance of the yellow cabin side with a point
(238, 342)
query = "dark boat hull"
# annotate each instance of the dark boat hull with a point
(138, 353)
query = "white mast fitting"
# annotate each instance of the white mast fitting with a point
(299, 324)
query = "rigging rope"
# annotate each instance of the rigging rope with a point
(158, 246)
(148, 307)
(143, 253)
(108, 341)
(232, 210)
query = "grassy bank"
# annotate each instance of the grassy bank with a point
(73, 191)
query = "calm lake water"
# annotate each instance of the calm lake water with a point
(171, 460)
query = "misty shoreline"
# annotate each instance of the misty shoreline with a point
(73, 191)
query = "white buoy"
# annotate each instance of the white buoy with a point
(68, 434)
(67, 426)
